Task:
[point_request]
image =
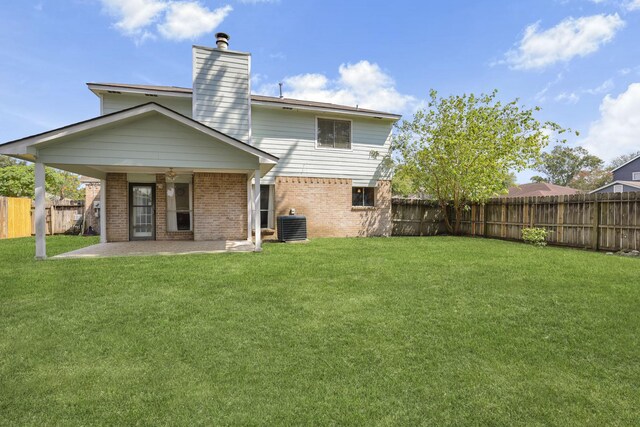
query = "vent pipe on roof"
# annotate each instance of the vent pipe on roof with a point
(222, 41)
(280, 84)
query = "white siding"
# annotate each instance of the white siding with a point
(221, 91)
(112, 102)
(149, 141)
(291, 135)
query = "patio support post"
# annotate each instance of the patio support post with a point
(40, 212)
(103, 211)
(249, 205)
(256, 212)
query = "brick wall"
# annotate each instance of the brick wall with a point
(326, 202)
(219, 206)
(161, 214)
(117, 207)
(91, 194)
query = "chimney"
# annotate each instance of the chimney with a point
(221, 88)
(222, 41)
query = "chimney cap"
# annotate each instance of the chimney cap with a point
(222, 41)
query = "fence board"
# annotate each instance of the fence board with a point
(4, 217)
(609, 221)
(15, 217)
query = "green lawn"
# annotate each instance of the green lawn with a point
(407, 331)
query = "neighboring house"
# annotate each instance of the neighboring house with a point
(540, 189)
(625, 178)
(216, 162)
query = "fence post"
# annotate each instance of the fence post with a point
(422, 209)
(484, 219)
(560, 218)
(473, 219)
(52, 214)
(595, 223)
(503, 219)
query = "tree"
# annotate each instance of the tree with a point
(18, 180)
(621, 160)
(588, 180)
(462, 149)
(7, 161)
(563, 164)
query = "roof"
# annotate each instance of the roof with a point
(634, 184)
(88, 179)
(625, 164)
(255, 99)
(22, 143)
(540, 189)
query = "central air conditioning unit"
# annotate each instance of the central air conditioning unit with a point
(292, 228)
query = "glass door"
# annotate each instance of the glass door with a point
(141, 210)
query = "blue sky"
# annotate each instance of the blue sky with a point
(577, 59)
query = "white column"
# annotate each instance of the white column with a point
(103, 211)
(40, 212)
(256, 211)
(249, 206)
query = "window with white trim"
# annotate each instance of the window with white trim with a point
(635, 176)
(363, 196)
(179, 206)
(266, 206)
(618, 188)
(332, 133)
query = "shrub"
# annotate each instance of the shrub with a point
(535, 236)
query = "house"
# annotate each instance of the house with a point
(214, 162)
(625, 178)
(535, 189)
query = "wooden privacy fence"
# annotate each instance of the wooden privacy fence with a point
(62, 217)
(609, 221)
(15, 217)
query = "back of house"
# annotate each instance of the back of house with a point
(216, 162)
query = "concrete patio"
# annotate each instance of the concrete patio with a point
(146, 248)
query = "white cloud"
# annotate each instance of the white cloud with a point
(134, 15)
(616, 131)
(567, 97)
(176, 20)
(570, 38)
(189, 20)
(363, 84)
(632, 5)
(605, 87)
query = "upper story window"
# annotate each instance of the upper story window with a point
(635, 176)
(618, 188)
(333, 133)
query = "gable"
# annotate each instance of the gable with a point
(151, 140)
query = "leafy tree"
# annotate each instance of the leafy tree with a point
(7, 161)
(462, 149)
(563, 164)
(18, 180)
(510, 180)
(588, 180)
(401, 183)
(621, 160)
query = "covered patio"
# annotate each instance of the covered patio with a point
(171, 181)
(157, 247)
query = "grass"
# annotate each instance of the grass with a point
(411, 331)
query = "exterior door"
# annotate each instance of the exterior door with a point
(142, 203)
